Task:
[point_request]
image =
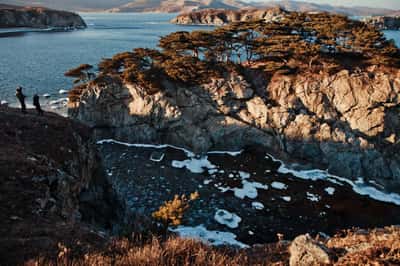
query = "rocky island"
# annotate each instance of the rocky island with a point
(220, 17)
(38, 17)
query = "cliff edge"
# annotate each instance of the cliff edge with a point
(38, 17)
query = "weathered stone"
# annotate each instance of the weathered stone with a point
(304, 251)
(339, 122)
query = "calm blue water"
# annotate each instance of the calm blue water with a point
(38, 60)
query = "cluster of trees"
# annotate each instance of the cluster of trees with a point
(299, 41)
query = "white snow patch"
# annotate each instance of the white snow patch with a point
(201, 233)
(194, 165)
(279, 185)
(313, 197)
(229, 219)
(62, 91)
(330, 190)
(287, 198)
(244, 175)
(249, 190)
(231, 153)
(207, 182)
(359, 187)
(257, 205)
(212, 171)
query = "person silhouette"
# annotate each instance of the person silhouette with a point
(36, 103)
(21, 98)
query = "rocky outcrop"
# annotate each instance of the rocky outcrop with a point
(52, 181)
(221, 16)
(385, 22)
(305, 251)
(346, 122)
(39, 17)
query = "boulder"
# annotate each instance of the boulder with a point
(305, 251)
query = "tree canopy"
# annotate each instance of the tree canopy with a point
(304, 41)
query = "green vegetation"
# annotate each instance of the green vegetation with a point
(300, 42)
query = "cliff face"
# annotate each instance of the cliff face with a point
(345, 122)
(221, 16)
(51, 180)
(38, 17)
(385, 22)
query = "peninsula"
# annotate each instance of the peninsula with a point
(38, 17)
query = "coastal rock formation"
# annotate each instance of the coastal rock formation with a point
(38, 17)
(385, 22)
(346, 122)
(221, 16)
(51, 180)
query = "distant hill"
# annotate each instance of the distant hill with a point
(170, 6)
(313, 7)
(190, 5)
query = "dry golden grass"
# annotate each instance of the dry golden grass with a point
(174, 251)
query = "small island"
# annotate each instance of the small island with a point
(38, 17)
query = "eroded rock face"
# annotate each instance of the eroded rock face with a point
(221, 16)
(38, 17)
(347, 123)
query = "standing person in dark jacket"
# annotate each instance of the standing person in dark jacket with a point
(36, 103)
(21, 98)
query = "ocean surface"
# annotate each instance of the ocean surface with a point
(37, 60)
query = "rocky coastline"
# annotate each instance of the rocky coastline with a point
(346, 122)
(39, 17)
(385, 22)
(218, 17)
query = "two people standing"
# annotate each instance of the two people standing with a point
(21, 98)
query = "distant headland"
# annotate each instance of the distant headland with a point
(38, 17)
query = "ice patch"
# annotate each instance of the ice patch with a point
(212, 171)
(279, 185)
(359, 187)
(231, 153)
(216, 238)
(244, 175)
(287, 198)
(229, 219)
(313, 197)
(330, 190)
(249, 190)
(194, 165)
(257, 205)
(207, 182)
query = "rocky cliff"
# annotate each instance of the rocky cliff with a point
(221, 16)
(51, 181)
(385, 22)
(38, 17)
(346, 122)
